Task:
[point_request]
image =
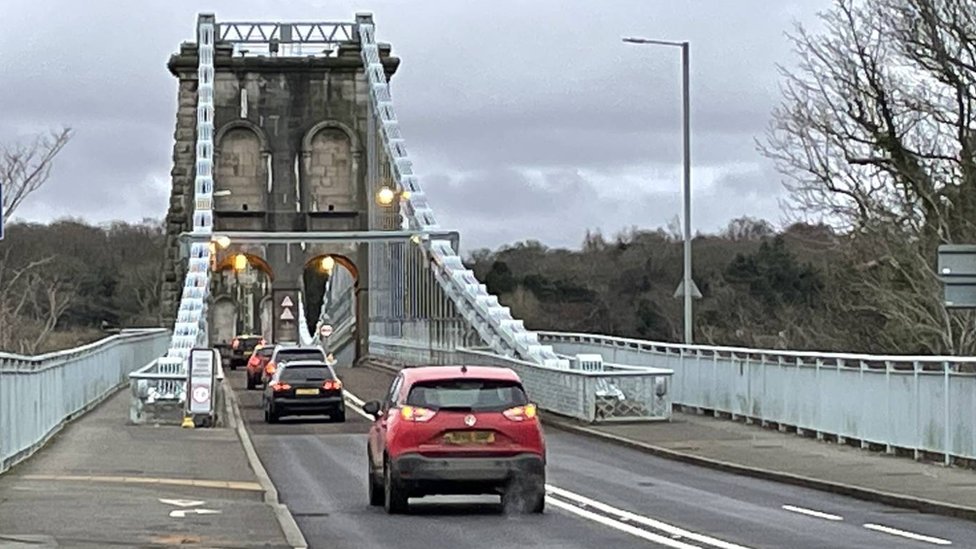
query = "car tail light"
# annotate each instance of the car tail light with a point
(280, 387)
(332, 385)
(520, 413)
(270, 368)
(261, 343)
(417, 414)
(235, 344)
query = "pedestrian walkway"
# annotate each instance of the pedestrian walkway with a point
(105, 483)
(768, 453)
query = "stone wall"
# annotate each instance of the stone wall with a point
(306, 119)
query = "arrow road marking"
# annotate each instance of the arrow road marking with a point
(182, 502)
(181, 513)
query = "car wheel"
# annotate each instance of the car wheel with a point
(270, 415)
(395, 497)
(376, 493)
(525, 495)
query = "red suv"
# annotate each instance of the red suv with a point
(456, 430)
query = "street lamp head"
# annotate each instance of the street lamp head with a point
(240, 262)
(385, 196)
(635, 40)
(328, 263)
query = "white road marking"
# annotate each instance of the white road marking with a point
(182, 502)
(909, 535)
(355, 399)
(355, 403)
(616, 524)
(181, 513)
(646, 521)
(359, 411)
(812, 513)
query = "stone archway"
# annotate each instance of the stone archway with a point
(223, 326)
(344, 283)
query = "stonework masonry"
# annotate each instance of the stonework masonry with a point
(296, 125)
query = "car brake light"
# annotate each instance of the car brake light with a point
(520, 413)
(235, 344)
(280, 387)
(270, 368)
(417, 414)
(332, 385)
(261, 343)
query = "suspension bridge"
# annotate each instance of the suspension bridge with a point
(295, 213)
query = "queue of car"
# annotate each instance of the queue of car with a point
(439, 430)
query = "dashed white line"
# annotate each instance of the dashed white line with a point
(909, 535)
(617, 525)
(812, 513)
(640, 519)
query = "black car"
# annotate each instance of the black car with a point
(241, 348)
(304, 387)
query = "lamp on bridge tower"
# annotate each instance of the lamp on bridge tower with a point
(385, 196)
(327, 264)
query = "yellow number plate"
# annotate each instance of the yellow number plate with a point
(469, 437)
(306, 391)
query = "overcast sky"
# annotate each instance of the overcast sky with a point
(525, 119)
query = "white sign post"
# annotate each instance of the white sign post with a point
(201, 382)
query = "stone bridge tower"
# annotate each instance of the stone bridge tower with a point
(290, 155)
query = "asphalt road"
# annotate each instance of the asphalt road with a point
(600, 495)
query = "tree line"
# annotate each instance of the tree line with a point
(875, 139)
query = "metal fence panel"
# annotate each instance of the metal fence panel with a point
(619, 393)
(39, 394)
(922, 403)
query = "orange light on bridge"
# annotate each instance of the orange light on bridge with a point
(385, 196)
(328, 263)
(240, 262)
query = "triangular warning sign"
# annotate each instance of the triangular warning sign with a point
(695, 292)
(286, 315)
(286, 302)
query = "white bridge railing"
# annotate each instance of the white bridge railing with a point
(614, 393)
(39, 394)
(917, 403)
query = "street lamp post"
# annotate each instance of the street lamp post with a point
(686, 130)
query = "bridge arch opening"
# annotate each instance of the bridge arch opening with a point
(243, 281)
(332, 280)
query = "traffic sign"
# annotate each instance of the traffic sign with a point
(287, 315)
(201, 381)
(325, 330)
(286, 302)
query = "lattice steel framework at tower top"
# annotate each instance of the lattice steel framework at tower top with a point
(419, 289)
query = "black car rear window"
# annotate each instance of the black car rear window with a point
(287, 356)
(477, 395)
(249, 341)
(301, 372)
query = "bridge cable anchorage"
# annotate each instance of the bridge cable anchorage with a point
(191, 322)
(482, 311)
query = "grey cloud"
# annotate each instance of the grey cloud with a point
(483, 92)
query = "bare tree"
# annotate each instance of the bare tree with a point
(49, 299)
(25, 167)
(875, 135)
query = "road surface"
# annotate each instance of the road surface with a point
(600, 495)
